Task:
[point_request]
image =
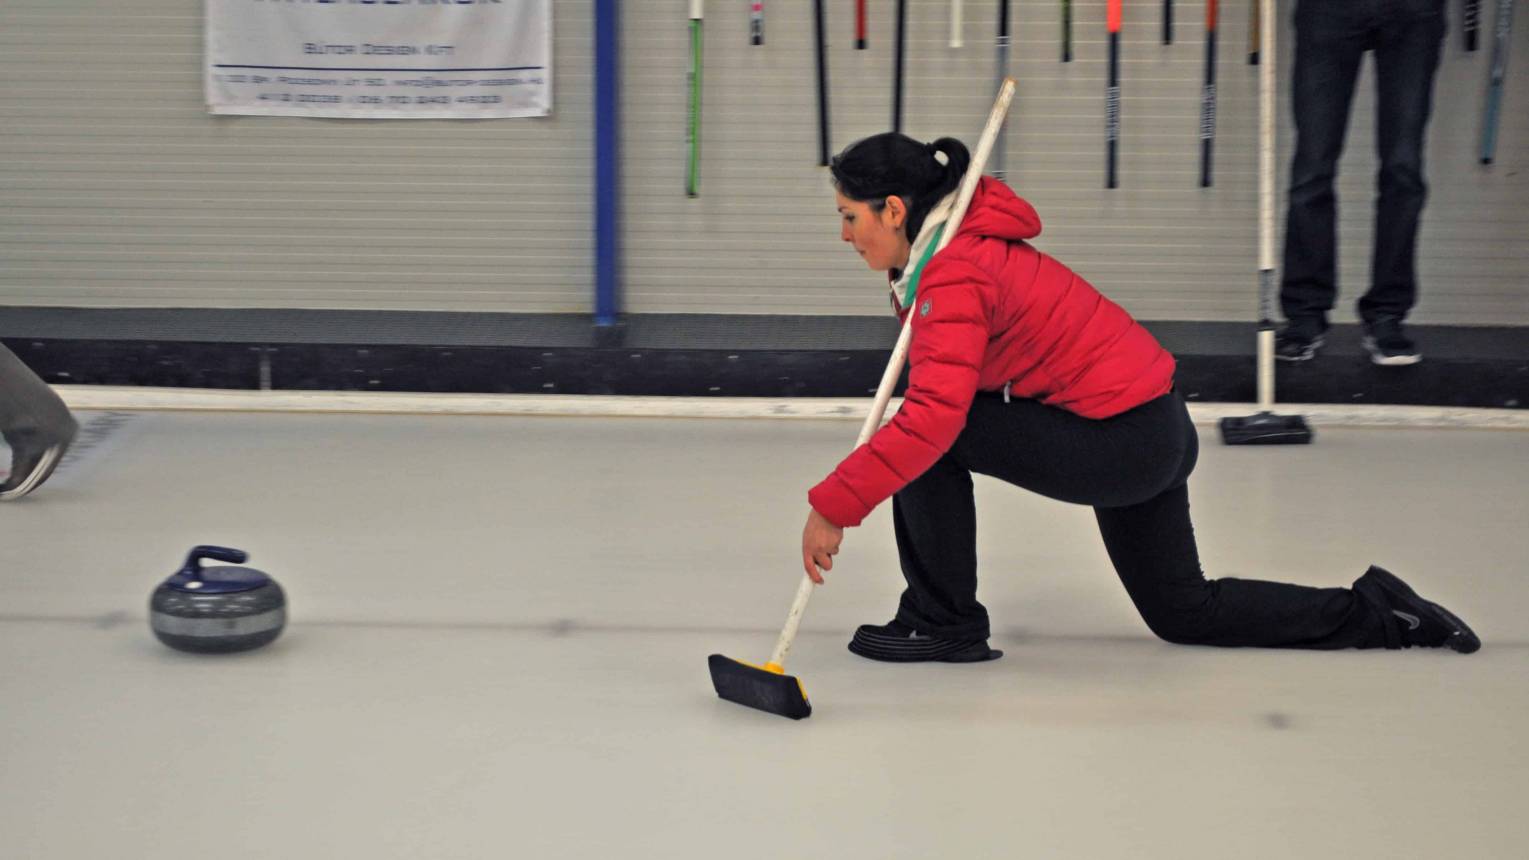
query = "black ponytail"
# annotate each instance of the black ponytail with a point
(884, 165)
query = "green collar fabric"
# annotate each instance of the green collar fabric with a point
(905, 283)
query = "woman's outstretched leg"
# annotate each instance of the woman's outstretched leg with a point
(1152, 545)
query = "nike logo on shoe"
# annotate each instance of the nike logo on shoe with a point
(917, 638)
(1413, 622)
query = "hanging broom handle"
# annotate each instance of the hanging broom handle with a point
(693, 105)
(900, 352)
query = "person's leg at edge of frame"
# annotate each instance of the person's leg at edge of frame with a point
(35, 423)
(1330, 45)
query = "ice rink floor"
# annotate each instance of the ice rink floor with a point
(499, 631)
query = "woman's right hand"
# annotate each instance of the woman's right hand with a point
(820, 543)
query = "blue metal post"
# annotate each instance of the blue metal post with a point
(607, 162)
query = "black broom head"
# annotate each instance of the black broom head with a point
(1266, 428)
(755, 687)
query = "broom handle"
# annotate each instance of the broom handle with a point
(900, 352)
(1266, 285)
(693, 107)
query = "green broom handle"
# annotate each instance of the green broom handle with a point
(900, 352)
(693, 106)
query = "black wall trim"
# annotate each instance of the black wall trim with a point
(673, 354)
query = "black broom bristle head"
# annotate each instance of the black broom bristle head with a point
(1266, 428)
(754, 687)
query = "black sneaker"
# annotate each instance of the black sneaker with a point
(32, 464)
(1413, 621)
(896, 642)
(1389, 346)
(1297, 343)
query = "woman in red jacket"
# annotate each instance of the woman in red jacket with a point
(1020, 370)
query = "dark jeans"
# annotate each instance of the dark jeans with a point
(1331, 38)
(1132, 469)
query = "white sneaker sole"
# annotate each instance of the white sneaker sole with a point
(39, 474)
(1380, 358)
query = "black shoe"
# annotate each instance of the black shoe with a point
(33, 463)
(1415, 622)
(1388, 345)
(896, 642)
(1298, 343)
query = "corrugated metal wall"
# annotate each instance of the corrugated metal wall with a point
(118, 189)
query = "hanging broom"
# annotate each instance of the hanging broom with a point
(1266, 428)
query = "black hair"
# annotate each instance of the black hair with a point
(888, 164)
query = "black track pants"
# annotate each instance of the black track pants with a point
(1132, 469)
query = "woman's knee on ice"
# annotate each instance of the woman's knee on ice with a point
(1180, 624)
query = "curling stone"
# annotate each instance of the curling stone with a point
(216, 610)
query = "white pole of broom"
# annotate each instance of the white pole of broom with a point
(900, 352)
(1266, 285)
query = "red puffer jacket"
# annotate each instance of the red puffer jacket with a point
(992, 310)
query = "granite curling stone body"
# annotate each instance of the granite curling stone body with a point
(217, 610)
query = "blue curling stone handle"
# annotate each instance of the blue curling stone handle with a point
(192, 578)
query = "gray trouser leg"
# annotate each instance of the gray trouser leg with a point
(31, 413)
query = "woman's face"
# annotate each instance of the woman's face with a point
(877, 236)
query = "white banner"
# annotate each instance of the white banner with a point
(420, 59)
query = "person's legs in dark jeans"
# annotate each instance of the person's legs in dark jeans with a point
(1132, 468)
(1406, 60)
(1331, 38)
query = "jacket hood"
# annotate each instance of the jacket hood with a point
(996, 212)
